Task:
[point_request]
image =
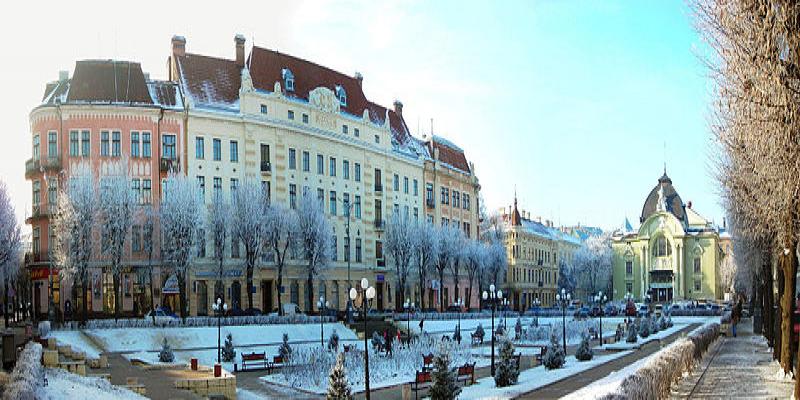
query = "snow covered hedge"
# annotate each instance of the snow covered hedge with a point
(666, 367)
(437, 316)
(198, 322)
(27, 375)
(575, 329)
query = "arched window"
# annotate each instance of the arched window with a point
(662, 248)
(288, 79)
(342, 95)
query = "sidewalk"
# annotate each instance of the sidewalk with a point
(739, 367)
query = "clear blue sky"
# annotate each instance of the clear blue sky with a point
(571, 101)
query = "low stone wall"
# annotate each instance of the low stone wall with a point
(225, 385)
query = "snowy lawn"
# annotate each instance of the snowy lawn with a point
(609, 384)
(532, 379)
(150, 339)
(78, 341)
(64, 385)
(314, 365)
(623, 345)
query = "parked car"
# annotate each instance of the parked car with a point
(595, 311)
(611, 310)
(582, 312)
(161, 315)
(290, 309)
(658, 310)
(643, 311)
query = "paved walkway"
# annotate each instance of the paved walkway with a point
(160, 384)
(739, 367)
(583, 379)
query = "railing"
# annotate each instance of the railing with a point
(52, 162)
(31, 167)
(266, 166)
(431, 203)
(381, 262)
(380, 224)
(169, 164)
(378, 187)
(40, 256)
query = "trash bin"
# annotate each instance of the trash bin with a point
(757, 320)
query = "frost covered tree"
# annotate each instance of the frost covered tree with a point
(75, 217)
(566, 276)
(165, 355)
(554, 356)
(10, 242)
(281, 233)
(593, 263)
(459, 258)
(148, 218)
(427, 254)
(218, 225)
(248, 226)
(315, 236)
(228, 352)
(117, 206)
(496, 263)
(285, 350)
(444, 379)
(338, 388)
(506, 373)
(584, 351)
(494, 234)
(400, 244)
(474, 258)
(182, 214)
(449, 248)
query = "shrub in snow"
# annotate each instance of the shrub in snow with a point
(654, 326)
(506, 373)
(479, 332)
(338, 389)
(27, 375)
(662, 323)
(444, 379)
(669, 321)
(333, 341)
(44, 328)
(584, 352)
(554, 356)
(228, 353)
(518, 329)
(457, 334)
(377, 340)
(632, 336)
(285, 350)
(644, 328)
(166, 355)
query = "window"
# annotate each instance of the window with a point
(379, 252)
(456, 199)
(288, 79)
(217, 149)
(377, 139)
(199, 147)
(168, 147)
(396, 183)
(347, 249)
(697, 285)
(263, 108)
(234, 247)
(344, 129)
(405, 211)
(358, 250)
(305, 118)
(135, 146)
(416, 188)
(292, 159)
(146, 144)
(52, 144)
(332, 166)
(147, 191)
(445, 195)
(104, 144)
(341, 95)
(346, 169)
(357, 172)
(320, 164)
(264, 157)
(378, 211)
(405, 184)
(35, 242)
(116, 143)
(136, 188)
(201, 184)
(136, 238)
(335, 252)
(429, 219)
(321, 195)
(217, 186)
(292, 196)
(85, 143)
(628, 267)
(429, 194)
(465, 201)
(290, 115)
(306, 162)
(73, 144)
(356, 133)
(234, 185)
(378, 184)
(35, 147)
(234, 151)
(416, 214)
(332, 202)
(346, 204)
(697, 266)
(396, 210)
(357, 207)
(265, 188)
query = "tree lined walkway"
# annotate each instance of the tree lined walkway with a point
(739, 367)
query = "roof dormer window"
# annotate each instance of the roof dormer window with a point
(342, 95)
(288, 79)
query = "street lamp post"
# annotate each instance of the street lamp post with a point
(505, 314)
(322, 305)
(601, 299)
(563, 300)
(493, 297)
(459, 303)
(536, 304)
(369, 294)
(219, 309)
(347, 206)
(408, 306)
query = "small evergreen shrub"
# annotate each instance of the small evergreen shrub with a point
(333, 341)
(506, 373)
(338, 388)
(228, 353)
(444, 379)
(554, 358)
(166, 355)
(584, 352)
(644, 328)
(479, 332)
(285, 350)
(632, 336)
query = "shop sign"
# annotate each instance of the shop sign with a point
(42, 273)
(228, 273)
(379, 278)
(171, 285)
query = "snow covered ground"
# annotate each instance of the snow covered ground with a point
(79, 342)
(532, 379)
(65, 385)
(623, 345)
(608, 384)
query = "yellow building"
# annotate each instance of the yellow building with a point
(534, 250)
(674, 255)
(297, 126)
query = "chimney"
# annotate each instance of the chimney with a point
(239, 39)
(398, 108)
(178, 46)
(359, 78)
(146, 76)
(63, 76)
(689, 204)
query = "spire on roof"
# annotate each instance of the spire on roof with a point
(516, 219)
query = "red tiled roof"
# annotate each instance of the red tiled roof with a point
(210, 80)
(266, 68)
(108, 81)
(449, 155)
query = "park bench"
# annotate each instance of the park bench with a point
(427, 362)
(619, 333)
(540, 355)
(257, 359)
(347, 348)
(466, 373)
(476, 339)
(421, 382)
(592, 333)
(277, 362)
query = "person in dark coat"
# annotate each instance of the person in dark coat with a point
(736, 315)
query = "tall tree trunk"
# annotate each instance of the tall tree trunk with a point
(5, 299)
(278, 288)
(85, 306)
(769, 299)
(778, 335)
(441, 290)
(469, 298)
(421, 289)
(310, 291)
(251, 262)
(182, 294)
(455, 286)
(787, 300)
(116, 297)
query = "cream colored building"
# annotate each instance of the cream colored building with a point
(297, 126)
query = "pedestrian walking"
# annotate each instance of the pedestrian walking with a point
(736, 315)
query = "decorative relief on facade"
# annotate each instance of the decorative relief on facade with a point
(324, 99)
(247, 81)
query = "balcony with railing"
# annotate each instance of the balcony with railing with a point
(31, 167)
(380, 224)
(266, 167)
(51, 163)
(169, 164)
